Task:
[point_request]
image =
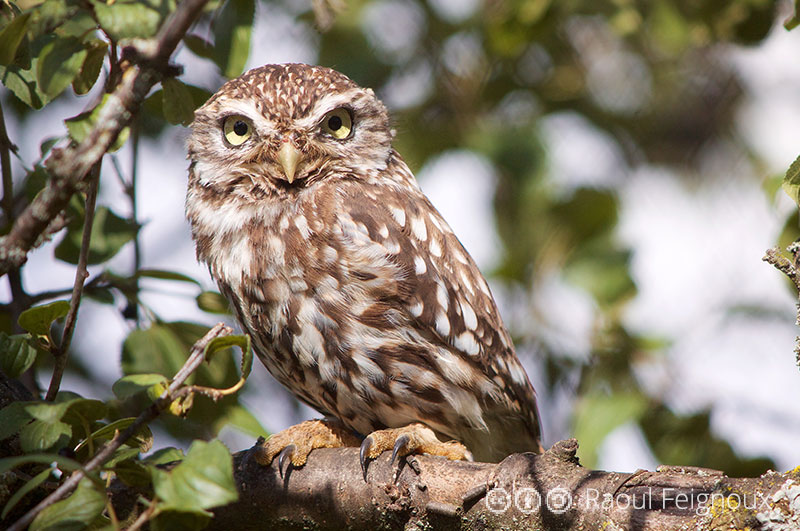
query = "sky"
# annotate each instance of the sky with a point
(697, 251)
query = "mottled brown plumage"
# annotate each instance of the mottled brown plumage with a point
(358, 296)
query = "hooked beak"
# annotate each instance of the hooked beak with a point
(288, 157)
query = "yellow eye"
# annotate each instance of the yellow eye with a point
(338, 123)
(237, 129)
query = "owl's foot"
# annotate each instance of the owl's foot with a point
(412, 439)
(293, 444)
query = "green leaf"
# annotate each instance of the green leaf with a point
(203, 480)
(52, 411)
(80, 23)
(23, 84)
(143, 439)
(107, 431)
(40, 436)
(232, 30)
(791, 182)
(11, 37)
(224, 342)
(59, 62)
(121, 455)
(109, 234)
(30, 485)
(156, 349)
(602, 271)
(84, 410)
(16, 354)
(213, 302)
(587, 213)
(128, 386)
(132, 18)
(164, 456)
(101, 295)
(77, 511)
(177, 102)
(598, 414)
(133, 473)
(199, 46)
(37, 320)
(90, 70)
(80, 126)
(165, 275)
(12, 418)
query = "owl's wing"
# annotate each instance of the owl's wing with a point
(420, 279)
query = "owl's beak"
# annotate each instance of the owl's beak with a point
(289, 156)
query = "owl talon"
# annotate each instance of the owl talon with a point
(399, 444)
(286, 454)
(363, 453)
(412, 439)
(292, 445)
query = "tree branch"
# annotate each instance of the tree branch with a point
(81, 273)
(525, 491)
(69, 166)
(791, 270)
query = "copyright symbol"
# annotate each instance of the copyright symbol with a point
(498, 500)
(558, 500)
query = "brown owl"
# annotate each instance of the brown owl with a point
(356, 293)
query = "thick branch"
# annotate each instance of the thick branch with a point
(70, 166)
(525, 491)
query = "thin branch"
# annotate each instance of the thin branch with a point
(18, 295)
(81, 274)
(5, 164)
(195, 359)
(143, 517)
(130, 190)
(781, 263)
(19, 298)
(70, 166)
(792, 270)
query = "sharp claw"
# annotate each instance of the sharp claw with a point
(286, 454)
(398, 445)
(362, 455)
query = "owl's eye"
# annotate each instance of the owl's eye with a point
(237, 129)
(338, 123)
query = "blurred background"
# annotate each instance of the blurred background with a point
(614, 168)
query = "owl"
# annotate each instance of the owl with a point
(357, 295)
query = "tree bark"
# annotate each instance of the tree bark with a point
(525, 491)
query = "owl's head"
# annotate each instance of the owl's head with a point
(288, 125)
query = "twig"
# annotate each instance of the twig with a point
(70, 166)
(781, 263)
(19, 299)
(143, 517)
(195, 359)
(5, 164)
(18, 295)
(60, 353)
(130, 190)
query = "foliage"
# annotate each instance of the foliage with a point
(483, 80)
